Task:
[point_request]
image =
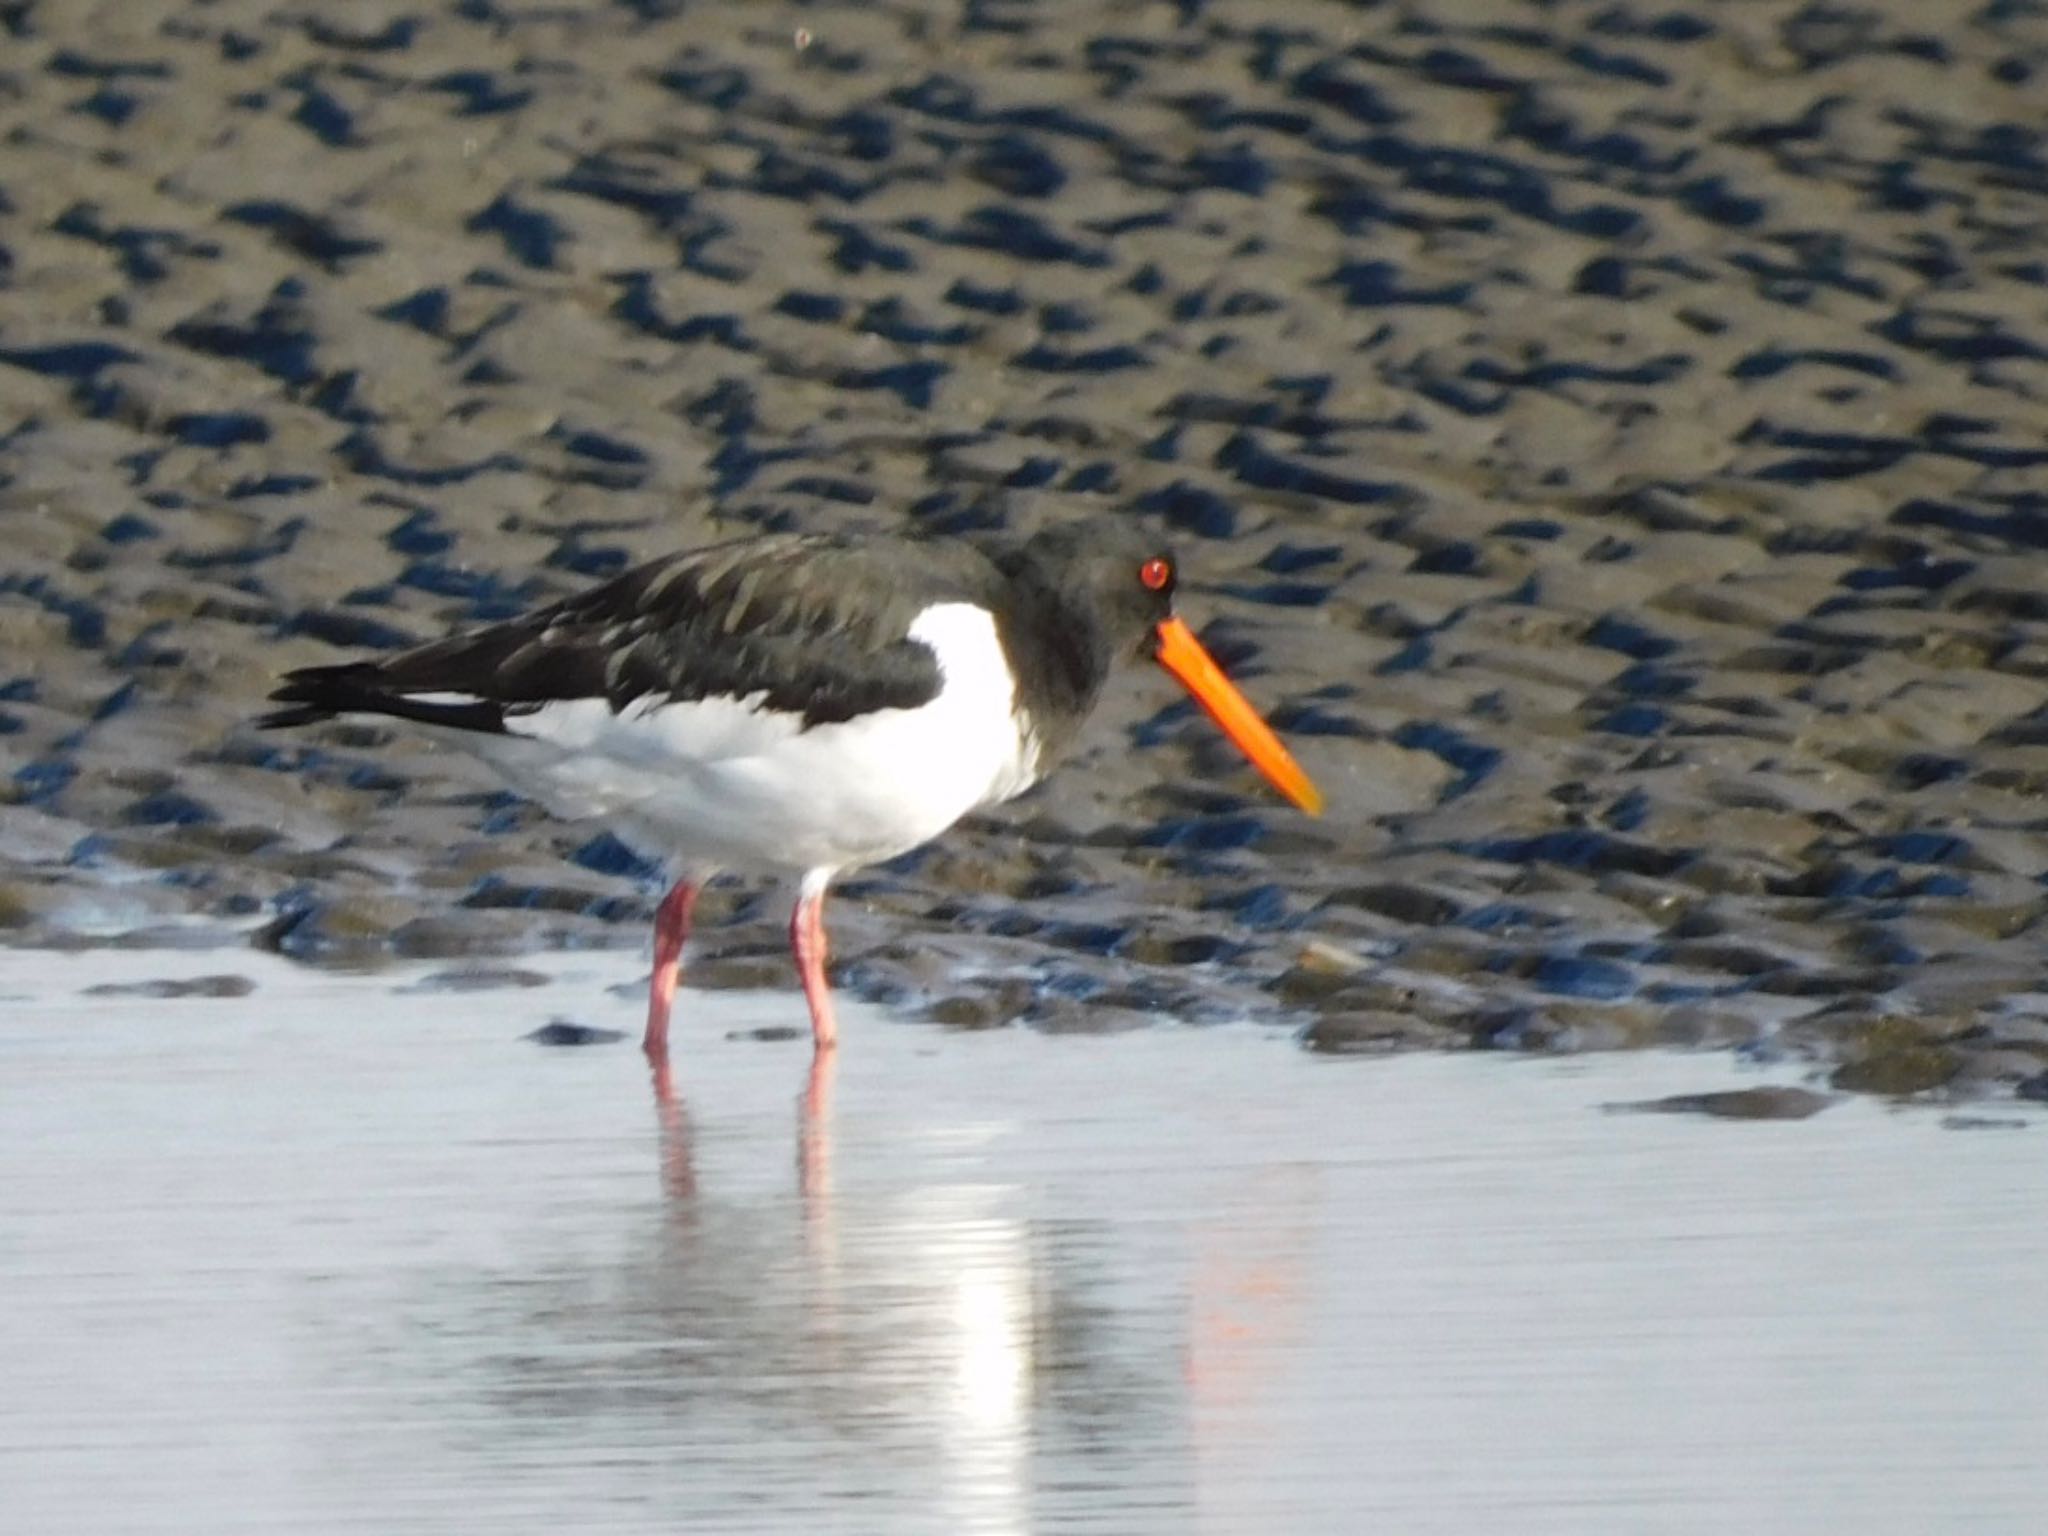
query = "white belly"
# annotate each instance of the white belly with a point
(721, 783)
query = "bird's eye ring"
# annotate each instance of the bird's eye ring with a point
(1155, 574)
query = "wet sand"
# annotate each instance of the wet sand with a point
(340, 1252)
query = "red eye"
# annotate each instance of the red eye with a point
(1155, 573)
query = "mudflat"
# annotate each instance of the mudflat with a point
(1608, 438)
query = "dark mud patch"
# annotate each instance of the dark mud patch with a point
(1774, 1103)
(175, 987)
(568, 1033)
(477, 978)
(770, 1034)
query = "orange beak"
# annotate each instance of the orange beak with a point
(1182, 655)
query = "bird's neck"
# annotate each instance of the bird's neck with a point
(1060, 658)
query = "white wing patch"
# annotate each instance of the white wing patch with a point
(654, 732)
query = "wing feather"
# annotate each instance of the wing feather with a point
(809, 625)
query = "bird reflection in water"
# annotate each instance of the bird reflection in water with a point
(958, 1293)
(913, 1335)
(813, 1134)
(678, 1162)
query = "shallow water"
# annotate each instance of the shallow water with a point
(337, 1254)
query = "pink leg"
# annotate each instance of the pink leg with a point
(671, 928)
(807, 944)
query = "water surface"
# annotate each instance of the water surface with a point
(339, 1255)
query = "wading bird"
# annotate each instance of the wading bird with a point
(799, 705)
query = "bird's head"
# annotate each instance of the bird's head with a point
(1128, 582)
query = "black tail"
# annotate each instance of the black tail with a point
(314, 694)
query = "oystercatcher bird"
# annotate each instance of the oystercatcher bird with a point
(799, 704)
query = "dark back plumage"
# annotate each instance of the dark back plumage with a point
(814, 624)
